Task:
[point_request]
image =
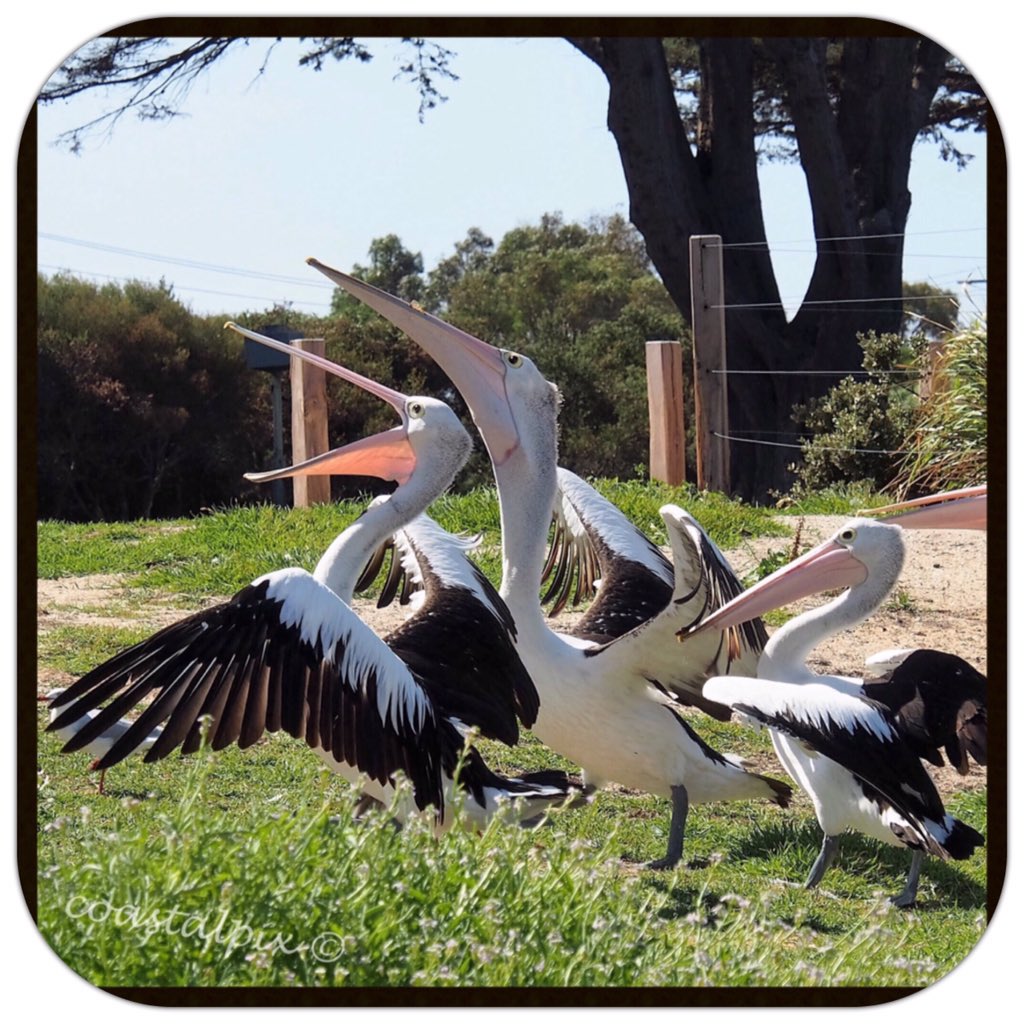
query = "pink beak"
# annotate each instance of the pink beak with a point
(475, 368)
(387, 455)
(964, 509)
(830, 566)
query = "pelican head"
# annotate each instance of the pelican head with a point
(429, 434)
(506, 393)
(862, 548)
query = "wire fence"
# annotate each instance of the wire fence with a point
(897, 304)
(800, 447)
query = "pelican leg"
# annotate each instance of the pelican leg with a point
(676, 828)
(829, 846)
(908, 897)
(366, 803)
(103, 773)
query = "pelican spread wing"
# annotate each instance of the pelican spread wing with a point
(703, 581)
(284, 653)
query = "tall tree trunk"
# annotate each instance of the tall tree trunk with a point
(856, 159)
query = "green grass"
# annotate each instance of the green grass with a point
(246, 868)
(835, 500)
(218, 553)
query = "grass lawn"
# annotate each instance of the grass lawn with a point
(246, 867)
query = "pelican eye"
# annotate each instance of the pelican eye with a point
(513, 358)
(848, 535)
(415, 410)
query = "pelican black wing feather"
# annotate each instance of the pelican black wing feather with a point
(284, 653)
(940, 703)
(860, 735)
(460, 641)
(464, 651)
(593, 541)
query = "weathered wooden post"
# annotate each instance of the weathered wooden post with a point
(309, 422)
(710, 395)
(665, 411)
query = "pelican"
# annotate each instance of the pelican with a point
(609, 707)
(596, 549)
(287, 652)
(851, 752)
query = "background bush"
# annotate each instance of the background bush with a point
(927, 444)
(148, 410)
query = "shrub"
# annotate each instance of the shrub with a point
(860, 427)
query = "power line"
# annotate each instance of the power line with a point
(180, 262)
(868, 252)
(847, 302)
(842, 238)
(177, 287)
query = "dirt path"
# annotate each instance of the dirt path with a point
(941, 598)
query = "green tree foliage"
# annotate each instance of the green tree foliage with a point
(142, 408)
(859, 428)
(930, 311)
(581, 301)
(146, 409)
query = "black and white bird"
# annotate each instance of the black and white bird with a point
(287, 652)
(853, 754)
(610, 707)
(939, 699)
(596, 550)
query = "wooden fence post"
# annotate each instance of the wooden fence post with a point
(309, 423)
(665, 410)
(710, 395)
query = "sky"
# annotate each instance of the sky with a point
(259, 177)
(264, 170)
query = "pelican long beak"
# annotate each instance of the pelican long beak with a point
(475, 368)
(963, 509)
(387, 455)
(394, 398)
(830, 566)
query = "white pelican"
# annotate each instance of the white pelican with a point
(608, 707)
(288, 653)
(851, 753)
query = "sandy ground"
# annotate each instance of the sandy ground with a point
(942, 603)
